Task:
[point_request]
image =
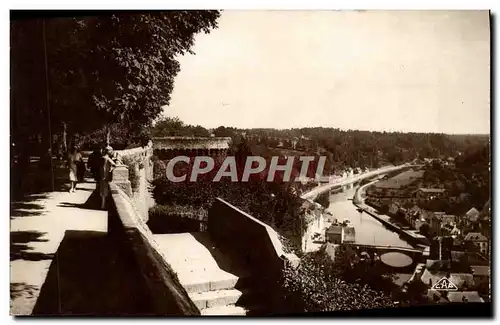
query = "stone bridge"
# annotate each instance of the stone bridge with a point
(414, 253)
(232, 268)
(387, 248)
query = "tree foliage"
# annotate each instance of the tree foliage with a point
(355, 148)
(323, 199)
(470, 174)
(116, 68)
(168, 126)
(315, 286)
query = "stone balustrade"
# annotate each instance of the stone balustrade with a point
(140, 160)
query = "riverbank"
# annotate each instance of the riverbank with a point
(411, 236)
(311, 195)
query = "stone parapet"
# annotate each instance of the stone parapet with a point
(139, 159)
(125, 224)
(120, 177)
(191, 143)
(254, 241)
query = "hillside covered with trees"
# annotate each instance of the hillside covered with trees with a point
(343, 148)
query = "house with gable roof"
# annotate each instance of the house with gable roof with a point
(479, 240)
(472, 215)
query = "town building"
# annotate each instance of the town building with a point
(481, 274)
(479, 240)
(472, 215)
(450, 230)
(470, 258)
(430, 193)
(435, 270)
(464, 296)
(334, 234)
(416, 217)
(464, 196)
(314, 220)
(448, 219)
(434, 221)
(348, 235)
(444, 222)
(394, 208)
(340, 234)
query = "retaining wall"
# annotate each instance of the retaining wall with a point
(253, 241)
(127, 226)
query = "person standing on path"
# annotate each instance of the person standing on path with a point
(45, 167)
(81, 168)
(73, 158)
(113, 155)
(107, 166)
(94, 164)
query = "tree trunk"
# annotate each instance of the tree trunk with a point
(108, 133)
(64, 138)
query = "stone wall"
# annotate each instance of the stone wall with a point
(140, 172)
(190, 143)
(251, 239)
(257, 244)
(169, 147)
(314, 222)
(127, 226)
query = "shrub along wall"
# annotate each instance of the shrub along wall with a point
(271, 203)
(166, 219)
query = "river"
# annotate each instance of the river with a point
(369, 231)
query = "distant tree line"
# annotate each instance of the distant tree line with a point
(343, 148)
(173, 126)
(470, 175)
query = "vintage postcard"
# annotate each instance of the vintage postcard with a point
(250, 163)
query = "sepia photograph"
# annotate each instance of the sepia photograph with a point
(250, 163)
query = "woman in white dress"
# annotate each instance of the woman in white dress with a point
(73, 158)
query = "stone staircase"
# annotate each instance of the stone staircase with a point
(215, 282)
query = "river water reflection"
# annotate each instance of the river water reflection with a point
(369, 231)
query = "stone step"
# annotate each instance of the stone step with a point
(210, 280)
(230, 310)
(210, 299)
(236, 310)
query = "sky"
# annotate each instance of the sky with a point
(410, 71)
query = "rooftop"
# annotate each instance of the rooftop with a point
(437, 264)
(334, 230)
(480, 270)
(402, 278)
(470, 296)
(475, 236)
(432, 293)
(432, 190)
(461, 279)
(472, 257)
(472, 211)
(458, 279)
